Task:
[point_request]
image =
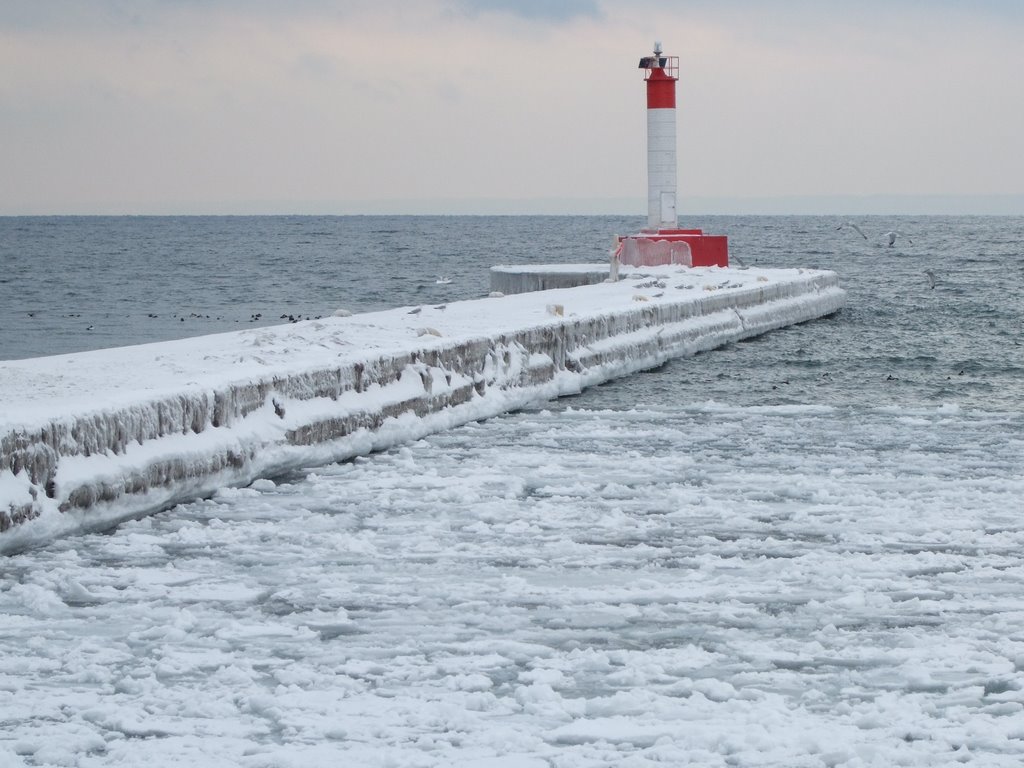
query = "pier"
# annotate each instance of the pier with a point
(91, 439)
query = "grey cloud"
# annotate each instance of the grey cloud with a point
(540, 10)
(86, 15)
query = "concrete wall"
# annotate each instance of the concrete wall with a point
(513, 280)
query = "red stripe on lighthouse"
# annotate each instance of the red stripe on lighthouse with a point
(661, 90)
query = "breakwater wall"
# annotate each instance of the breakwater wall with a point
(89, 440)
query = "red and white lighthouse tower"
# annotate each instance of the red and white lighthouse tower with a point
(662, 242)
(661, 74)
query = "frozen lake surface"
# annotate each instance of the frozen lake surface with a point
(707, 585)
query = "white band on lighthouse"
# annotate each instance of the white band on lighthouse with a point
(661, 169)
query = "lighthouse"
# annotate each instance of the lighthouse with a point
(661, 73)
(662, 241)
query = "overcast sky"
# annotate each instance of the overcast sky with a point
(342, 106)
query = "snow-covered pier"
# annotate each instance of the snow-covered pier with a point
(89, 439)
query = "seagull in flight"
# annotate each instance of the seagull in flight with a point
(931, 278)
(854, 226)
(894, 234)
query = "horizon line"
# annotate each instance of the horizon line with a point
(782, 205)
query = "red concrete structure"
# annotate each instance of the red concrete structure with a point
(662, 242)
(688, 247)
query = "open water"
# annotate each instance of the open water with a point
(800, 550)
(68, 284)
